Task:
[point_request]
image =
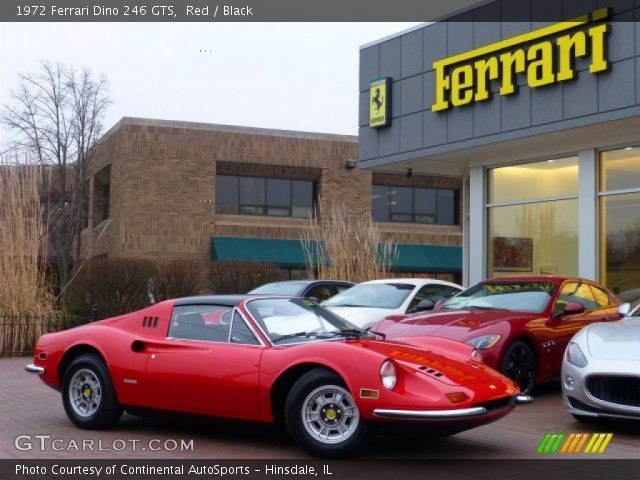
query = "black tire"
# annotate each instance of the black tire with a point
(102, 408)
(520, 365)
(315, 382)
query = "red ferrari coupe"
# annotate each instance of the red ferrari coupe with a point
(521, 325)
(284, 360)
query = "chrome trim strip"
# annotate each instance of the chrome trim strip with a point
(430, 414)
(524, 399)
(601, 414)
(31, 368)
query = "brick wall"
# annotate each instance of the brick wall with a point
(163, 177)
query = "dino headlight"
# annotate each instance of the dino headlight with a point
(484, 342)
(388, 374)
(575, 356)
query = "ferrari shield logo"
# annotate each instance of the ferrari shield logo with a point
(380, 102)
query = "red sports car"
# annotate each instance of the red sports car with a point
(284, 360)
(521, 325)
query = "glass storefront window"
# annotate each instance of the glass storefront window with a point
(620, 169)
(534, 239)
(620, 222)
(530, 181)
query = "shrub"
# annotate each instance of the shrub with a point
(242, 276)
(116, 286)
(177, 279)
(122, 285)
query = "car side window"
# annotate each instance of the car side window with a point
(602, 298)
(201, 322)
(340, 287)
(320, 292)
(240, 331)
(575, 292)
(432, 292)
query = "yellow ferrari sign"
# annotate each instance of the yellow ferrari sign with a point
(380, 102)
(544, 56)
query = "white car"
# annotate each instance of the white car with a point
(365, 304)
(601, 370)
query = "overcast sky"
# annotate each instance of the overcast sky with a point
(297, 76)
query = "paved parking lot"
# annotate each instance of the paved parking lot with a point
(29, 408)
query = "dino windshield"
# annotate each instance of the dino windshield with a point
(298, 320)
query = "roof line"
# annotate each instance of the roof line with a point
(214, 127)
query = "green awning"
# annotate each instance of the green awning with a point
(290, 254)
(428, 258)
(281, 252)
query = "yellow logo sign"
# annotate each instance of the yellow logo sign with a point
(464, 78)
(380, 102)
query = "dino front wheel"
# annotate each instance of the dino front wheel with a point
(322, 416)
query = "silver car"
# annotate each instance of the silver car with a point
(601, 370)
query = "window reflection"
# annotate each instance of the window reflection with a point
(549, 178)
(414, 205)
(620, 224)
(264, 196)
(620, 169)
(534, 239)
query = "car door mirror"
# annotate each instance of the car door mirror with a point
(424, 305)
(314, 299)
(573, 308)
(624, 309)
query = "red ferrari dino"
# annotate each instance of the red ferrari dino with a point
(521, 325)
(272, 360)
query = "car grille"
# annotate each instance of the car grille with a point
(620, 390)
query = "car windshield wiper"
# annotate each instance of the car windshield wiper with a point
(338, 333)
(297, 334)
(352, 332)
(345, 305)
(482, 307)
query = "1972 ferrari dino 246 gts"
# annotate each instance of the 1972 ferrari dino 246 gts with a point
(269, 359)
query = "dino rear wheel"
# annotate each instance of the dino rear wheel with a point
(88, 395)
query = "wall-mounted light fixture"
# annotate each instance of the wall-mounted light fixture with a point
(409, 173)
(351, 163)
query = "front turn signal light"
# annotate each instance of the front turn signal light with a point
(457, 397)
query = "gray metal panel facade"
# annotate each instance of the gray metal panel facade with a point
(417, 132)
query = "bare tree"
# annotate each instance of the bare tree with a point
(57, 115)
(90, 102)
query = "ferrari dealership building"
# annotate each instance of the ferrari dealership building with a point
(541, 120)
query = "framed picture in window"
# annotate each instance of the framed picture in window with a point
(512, 254)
